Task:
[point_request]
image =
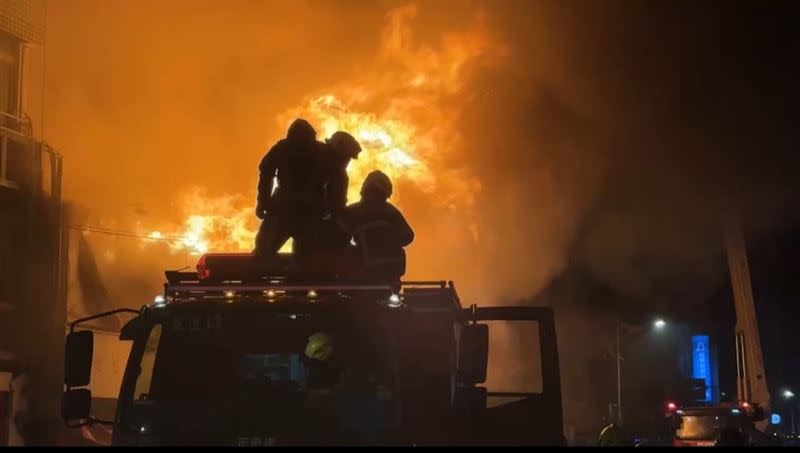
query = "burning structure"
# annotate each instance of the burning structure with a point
(406, 121)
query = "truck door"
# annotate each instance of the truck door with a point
(519, 402)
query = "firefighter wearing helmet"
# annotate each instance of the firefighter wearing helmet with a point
(342, 147)
(336, 154)
(377, 185)
(290, 209)
(319, 346)
(379, 229)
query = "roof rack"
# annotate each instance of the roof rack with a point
(243, 276)
(182, 287)
(239, 287)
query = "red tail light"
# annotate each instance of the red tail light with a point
(672, 407)
(203, 272)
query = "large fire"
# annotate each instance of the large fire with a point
(387, 144)
(215, 224)
(402, 117)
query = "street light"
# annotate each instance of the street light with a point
(787, 395)
(658, 324)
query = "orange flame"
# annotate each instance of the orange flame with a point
(387, 144)
(402, 117)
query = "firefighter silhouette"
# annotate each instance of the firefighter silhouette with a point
(379, 229)
(339, 149)
(297, 201)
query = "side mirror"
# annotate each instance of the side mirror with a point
(473, 353)
(470, 401)
(76, 405)
(132, 329)
(78, 353)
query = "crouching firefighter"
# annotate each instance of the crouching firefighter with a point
(296, 202)
(379, 230)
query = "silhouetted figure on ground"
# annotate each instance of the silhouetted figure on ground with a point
(337, 152)
(379, 230)
(296, 203)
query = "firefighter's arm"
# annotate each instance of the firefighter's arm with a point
(405, 235)
(336, 193)
(267, 170)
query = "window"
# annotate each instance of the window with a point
(9, 73)
(142, 389)
(515, 360)
(706, 427)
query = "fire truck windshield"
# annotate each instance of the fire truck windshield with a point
(203, 385)
(706, 426)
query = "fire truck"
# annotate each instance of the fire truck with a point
(228, 356)
(742, 422)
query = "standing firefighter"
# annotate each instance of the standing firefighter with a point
(296, 203)
(339, 149)
(379, 229)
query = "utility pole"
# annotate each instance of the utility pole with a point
(619, 373)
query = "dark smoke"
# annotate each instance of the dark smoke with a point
(617, 140)
(623, 131)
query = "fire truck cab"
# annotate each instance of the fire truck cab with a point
(703, 426)
(229, 362)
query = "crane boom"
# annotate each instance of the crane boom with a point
(751, 378)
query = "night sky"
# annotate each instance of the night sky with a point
(773, 262)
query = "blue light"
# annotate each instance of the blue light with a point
(735, 411)
(775, 419)
(701, 362)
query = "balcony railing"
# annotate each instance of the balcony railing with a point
(26, 164)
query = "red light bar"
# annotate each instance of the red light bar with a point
(672, 406)
(228, 266)
(246, 266)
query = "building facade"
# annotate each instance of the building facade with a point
(32, 257)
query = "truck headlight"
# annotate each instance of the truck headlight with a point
(394, 301)
(159, 301)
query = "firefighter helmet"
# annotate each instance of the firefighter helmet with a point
(319, 346)
(377, 183)
(301, 131)
(345, 143)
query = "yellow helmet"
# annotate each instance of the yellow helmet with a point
(319, 346)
